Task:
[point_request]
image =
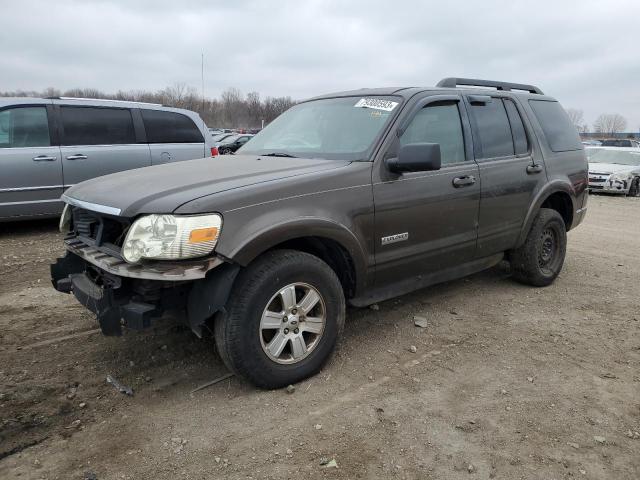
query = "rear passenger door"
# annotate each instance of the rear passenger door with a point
(96, 141)
(172, 136)
(30, 167)
(508, 176)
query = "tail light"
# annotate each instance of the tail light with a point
(214, 151)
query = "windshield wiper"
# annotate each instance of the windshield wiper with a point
(278, 154)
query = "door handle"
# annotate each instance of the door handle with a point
(44, 158)
(78, 156)
(464, 181)
(534, 168)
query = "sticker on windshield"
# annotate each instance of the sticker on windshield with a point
(378, 104)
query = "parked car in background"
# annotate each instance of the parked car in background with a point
(49, 145)
(216, 131)
(232, 143)
(620, 142)
(220, 137)
(591, 143)
(614, 170)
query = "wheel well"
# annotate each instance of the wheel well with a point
(561, 202)
(332, 253)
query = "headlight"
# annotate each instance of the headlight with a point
(171, 237)
(65, 219)
(619, 177)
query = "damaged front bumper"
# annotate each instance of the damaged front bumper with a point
(132, 296)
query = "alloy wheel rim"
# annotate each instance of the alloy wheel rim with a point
(292, 323)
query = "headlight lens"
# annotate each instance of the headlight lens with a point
(65, 219)
(171, 237)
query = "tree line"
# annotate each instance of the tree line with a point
(607, 124)
(231, 110)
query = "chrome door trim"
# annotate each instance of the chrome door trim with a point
(30, 189)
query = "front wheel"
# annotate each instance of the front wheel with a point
(283, 319)
(539, 260)
(634, 190)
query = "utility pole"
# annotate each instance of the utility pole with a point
(202, 76)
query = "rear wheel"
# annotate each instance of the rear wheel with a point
(283, 319)
(539, 260)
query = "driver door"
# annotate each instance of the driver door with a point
(428, 221)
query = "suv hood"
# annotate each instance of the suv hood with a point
(612, 168)
(163, 188)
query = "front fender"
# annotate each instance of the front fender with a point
(255, 243)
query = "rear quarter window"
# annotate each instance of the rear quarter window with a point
(170, 127)
(558, 129)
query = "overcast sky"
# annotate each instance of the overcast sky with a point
(585, 53)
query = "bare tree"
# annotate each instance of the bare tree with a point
(232, 110)
(577, 118)
(610, 124)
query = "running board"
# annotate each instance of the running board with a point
(421, 281)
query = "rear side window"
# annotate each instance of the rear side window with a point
(493, 129)
(24, 127)
(556, 125)
(170, 127)
(97, 126)
(520, 142)
(438, 123)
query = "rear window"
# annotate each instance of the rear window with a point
(97, 126)
(560, 132)
(170, 127)
(494, 130)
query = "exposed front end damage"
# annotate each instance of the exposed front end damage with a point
(133, 296)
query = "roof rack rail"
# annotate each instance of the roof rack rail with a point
(452, 82)
(103, 100)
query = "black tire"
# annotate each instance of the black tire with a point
(238, 335)
(634, 190)
(225, 151)
(539, 260)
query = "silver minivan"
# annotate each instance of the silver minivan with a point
(49, 145)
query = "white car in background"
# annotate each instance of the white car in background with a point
(614, 170)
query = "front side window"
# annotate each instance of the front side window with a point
(493, 129)
(438, 123)
(97, 126)
(342, 128)
(24, 127)
(170, 127)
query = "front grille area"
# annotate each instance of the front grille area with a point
(104, 232)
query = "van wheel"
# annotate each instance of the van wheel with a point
(634, 190)
(283, 319)
(539, 260)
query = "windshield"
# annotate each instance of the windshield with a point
(220, 136)
(621, 157)
(333, 128)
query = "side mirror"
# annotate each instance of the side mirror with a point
(416, 157)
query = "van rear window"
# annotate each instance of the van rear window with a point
(170, 127)
(561, 135)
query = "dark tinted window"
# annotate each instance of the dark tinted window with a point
(556, 125)
(617, 143)
(520, 142)
(170, 127)
(24, 127)
(494, 131)
(97, 126)
(438, 123)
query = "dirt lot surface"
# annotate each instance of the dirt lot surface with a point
(507, 381)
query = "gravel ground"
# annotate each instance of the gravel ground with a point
(505, 381)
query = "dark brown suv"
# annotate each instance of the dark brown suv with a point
(353, 197)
